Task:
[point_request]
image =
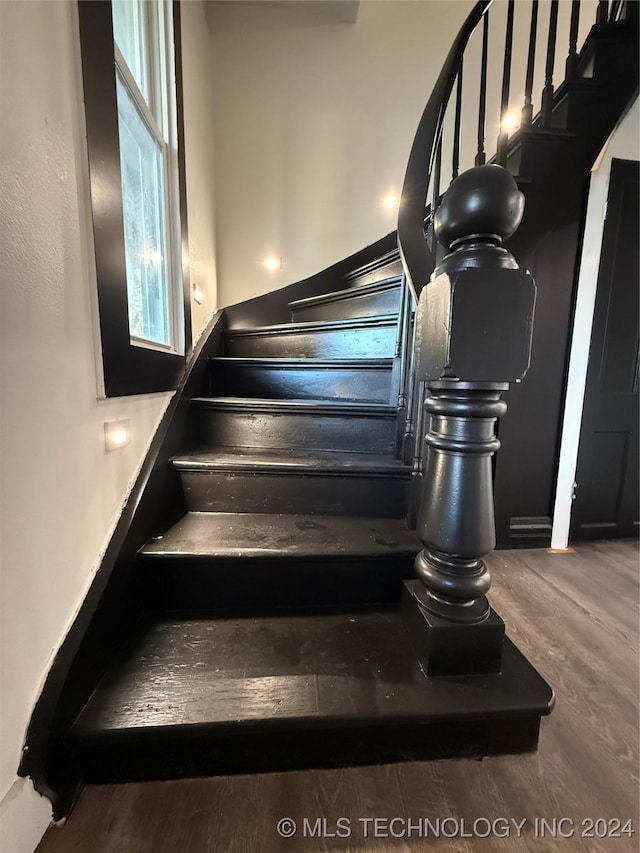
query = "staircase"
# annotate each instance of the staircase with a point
(276, 640)
(294, 493)
(270, 633)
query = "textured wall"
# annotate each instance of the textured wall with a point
(622, 144)
(314, 121)
(61, 494)
(199, 123)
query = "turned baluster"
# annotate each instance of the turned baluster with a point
(547, 92)
(571, 65)
(602, 12)
(503, 136)
(481, 156)
(455, 168)
(527, 109)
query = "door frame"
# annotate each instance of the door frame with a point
(623, 144)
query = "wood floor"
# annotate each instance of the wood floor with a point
(575, 616)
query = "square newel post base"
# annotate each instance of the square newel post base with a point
(451, 648)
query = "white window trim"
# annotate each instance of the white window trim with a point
(160, 75)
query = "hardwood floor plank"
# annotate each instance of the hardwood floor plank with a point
(595, 582)
(575, 631)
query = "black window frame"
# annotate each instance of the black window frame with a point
(128, 368)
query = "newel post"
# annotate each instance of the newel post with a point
(475, 320)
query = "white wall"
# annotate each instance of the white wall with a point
(199, 123)
(310, 117)
(60, 493)
(314, 121)
(622, 144)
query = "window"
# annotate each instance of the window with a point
(144, 78)
(132, 102)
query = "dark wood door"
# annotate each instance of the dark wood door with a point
(606, 503)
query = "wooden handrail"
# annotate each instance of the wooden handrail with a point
(416, 255)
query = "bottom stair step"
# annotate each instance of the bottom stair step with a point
(214, 560)
(235, 695)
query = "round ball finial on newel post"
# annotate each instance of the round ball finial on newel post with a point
(482, 208)
(475, 321)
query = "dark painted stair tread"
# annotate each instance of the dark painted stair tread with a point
(364, 379)
(377, 270)
(283, 536)
(220, 695)
(284, 423)
(254, 404)
(311, 462)
(303, 363)
(315, 326)
(391, 283)
(361, 337)
(294, 480)
(265, 671)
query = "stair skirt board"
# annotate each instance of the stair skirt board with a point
(246, 695)
(364, 338)
(350, 380)
(312, 425)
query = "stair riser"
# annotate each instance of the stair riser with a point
(210, 751)
(374, 496)
(300, 430)
(375, 342)
(178, 584)
(570, 108)
(376, 271)
(533, 149)
(370, 385)
(366, 305)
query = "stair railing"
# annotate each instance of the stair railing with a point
(421, 192)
